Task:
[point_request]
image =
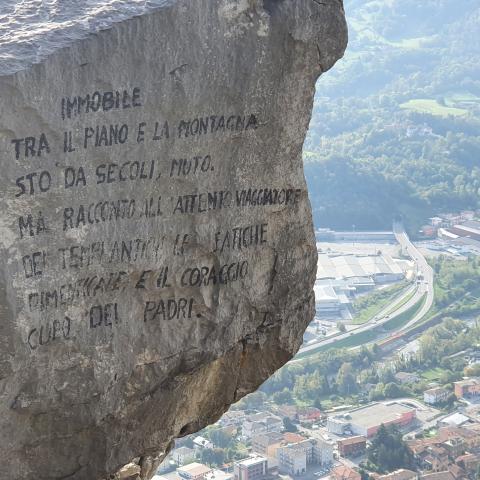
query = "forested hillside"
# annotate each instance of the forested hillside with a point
(396, 123)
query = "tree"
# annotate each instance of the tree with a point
(254, 400)
(346, 380)
(388, 451)
(288, 425)
(212, 456)
(473, 370)
(285, 396)
(392, 390)
(220, 438)
(341, 327)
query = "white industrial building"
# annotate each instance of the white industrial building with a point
(379, 268)
(341, 276)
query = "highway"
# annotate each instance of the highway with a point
(423, 268)
(425, 287)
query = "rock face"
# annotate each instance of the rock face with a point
(157, 254)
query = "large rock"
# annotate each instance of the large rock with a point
(157, 253)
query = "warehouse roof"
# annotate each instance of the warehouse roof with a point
(348, 266)
(378, 413)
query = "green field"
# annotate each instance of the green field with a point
(402, 303)
(433, 374)
(368, 306)
(425, 105)
(401, 320)
(358, 339)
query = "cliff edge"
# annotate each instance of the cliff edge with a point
(157, 254)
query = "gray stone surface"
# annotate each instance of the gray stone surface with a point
(157, 254)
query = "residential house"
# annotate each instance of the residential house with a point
(290, 411)
(344, 473)
(401, 474)
(352, 446)
(262, 442)
(455, 446)
(261, 423)
(469, 462)
(445, 475)
(199, 443)
(294, 458)
(252, 468)
(458, 472)
(467, 388)
(406, 377)
(309, 414)
(436, 395)
(218, 475)
(193, 471)
(232, 417)
(182, 455)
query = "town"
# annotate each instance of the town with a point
(387, 383)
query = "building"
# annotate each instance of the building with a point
(469, 462)
(455, 447)
(253, 468)
(470, 434)
(467, 229)
(435, 458)
(261, 423)
(327, 235)
(456, 419)
(338, 424)
(436, 453)
(401, 474)
(367, 420)
(263, 442)
(344, 473)
(458, 472)
(467, 388)
(218, 475)
(406, 377)
(352, 446)
(379, 268)
(444, 475)
(232, 418)
(193, 471)
(182, 455)
(290, 411)
(309, 414)
(328, 303)
(435, 395)
(301, 414)
(199, 443)
(294, 458)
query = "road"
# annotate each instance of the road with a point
(423, 268)
(425, 287)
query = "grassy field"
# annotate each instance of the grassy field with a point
(425, 105)
(402, 303)
(362, 338)
(398, 322)
(432, 374)
(369, 306)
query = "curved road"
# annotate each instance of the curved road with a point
(425, 287)
(423, 268)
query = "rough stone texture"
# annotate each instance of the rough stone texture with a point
(105, 357)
